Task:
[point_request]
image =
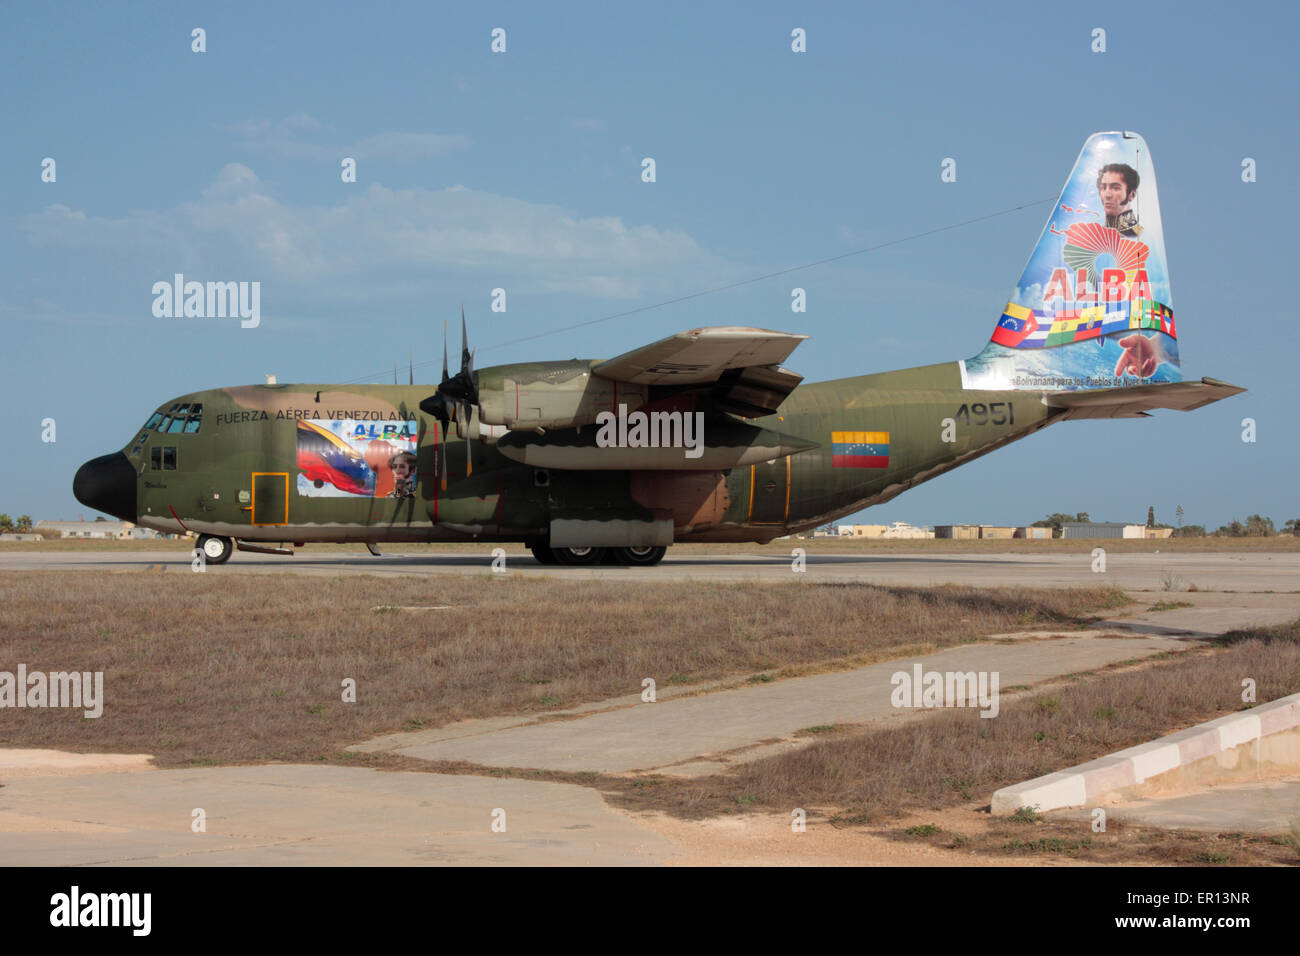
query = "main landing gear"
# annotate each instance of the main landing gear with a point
(582, 557)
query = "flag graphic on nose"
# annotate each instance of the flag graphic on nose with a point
(859, 449)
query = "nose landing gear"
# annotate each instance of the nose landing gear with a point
(216, 550)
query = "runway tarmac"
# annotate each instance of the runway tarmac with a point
(1207, 571)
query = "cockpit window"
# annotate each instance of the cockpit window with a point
(181, 419)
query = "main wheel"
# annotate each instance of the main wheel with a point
(215, 550)
(640, 557)
(575, 557)
(542, 553)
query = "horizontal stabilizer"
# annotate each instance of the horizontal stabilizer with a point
(1136, 401)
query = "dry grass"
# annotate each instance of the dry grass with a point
(955, 756)
(228, 668)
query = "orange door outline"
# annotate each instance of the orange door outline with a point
(253, 508)
(785, 515)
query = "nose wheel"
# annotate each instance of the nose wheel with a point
(215, 550)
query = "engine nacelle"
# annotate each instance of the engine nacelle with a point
(551, 395)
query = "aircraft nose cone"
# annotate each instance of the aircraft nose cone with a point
(107, 484)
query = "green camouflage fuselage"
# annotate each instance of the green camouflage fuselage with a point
(239, 474)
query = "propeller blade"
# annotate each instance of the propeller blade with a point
(444, 350)
(465, 357)
(467, 421)
(410, 367)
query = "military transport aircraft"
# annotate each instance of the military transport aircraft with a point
(702, 436)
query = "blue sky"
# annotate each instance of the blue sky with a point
(522, 171)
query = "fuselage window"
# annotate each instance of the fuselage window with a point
(162, 426)
(195, 418)
(154, 419)
(139, 443)
(176, 427)
(191, 426)
(169, 458)
(155, 457)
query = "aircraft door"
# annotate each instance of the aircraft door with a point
(270, 498)
(769, 492)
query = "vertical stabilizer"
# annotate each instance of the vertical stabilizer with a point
(1093, 308)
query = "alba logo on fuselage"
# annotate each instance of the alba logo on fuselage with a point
(401, 432)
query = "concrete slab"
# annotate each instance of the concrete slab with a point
(313, 816)
(693, 732)
(1211, 613)
(1267, 807)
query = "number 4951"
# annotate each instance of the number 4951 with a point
(999, 413)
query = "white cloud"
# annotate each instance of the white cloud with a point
(378, 237)
(284, 138)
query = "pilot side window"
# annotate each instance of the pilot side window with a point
(162, 458)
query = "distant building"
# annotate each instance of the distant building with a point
(996, 532)
(1101, 529)
(1159, 532)
(957, 531)
(20, 536)
(120, 530)
(1037, 534)
(864, 530)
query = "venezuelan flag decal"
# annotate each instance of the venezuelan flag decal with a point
(1017, 324)
(327, 459)
(859, 449)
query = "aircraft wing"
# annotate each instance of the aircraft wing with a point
(741, 364)
(1138, 400)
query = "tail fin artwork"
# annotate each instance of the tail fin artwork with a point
(1093, 308)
